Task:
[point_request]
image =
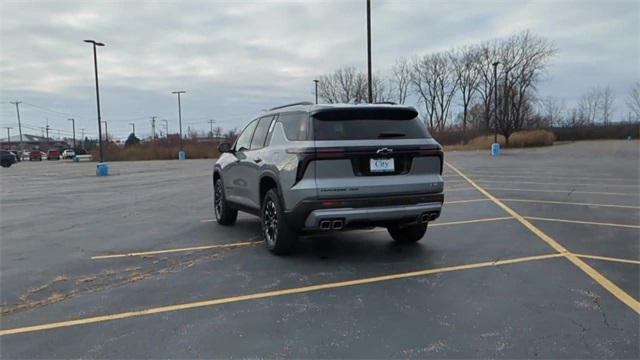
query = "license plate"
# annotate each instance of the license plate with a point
(381, 165)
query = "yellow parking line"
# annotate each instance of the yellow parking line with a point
(538, 176)
(268, 294)
(471, 221)
(568, 191)
(582, 222)
(570, 203)
(557, 183)
(166, 251)
(207, 220)
(457, 189)
(465, 201)
(606, 258)
(594, 274)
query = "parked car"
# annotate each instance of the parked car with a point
(53, 154)
(35, 155)
(305, 167)
(17, 154)
(68, 154)
(7, 158)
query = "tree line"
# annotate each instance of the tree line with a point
(464, 77)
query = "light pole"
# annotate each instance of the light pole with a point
(8, 137)
(19, 125)
(133, 126)
(211, 121)
(180, 119)
(106, 132)
(73, 127)
(495, 101)
(369, 50)
(95, 67)
(316, 81)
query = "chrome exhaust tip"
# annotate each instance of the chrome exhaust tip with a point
(424, 218)
(337, 224)
(325, 225)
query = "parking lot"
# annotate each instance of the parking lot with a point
(537, 254)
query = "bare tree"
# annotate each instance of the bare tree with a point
(633, 100)
(401, 79)
(434, 79)
(607, 104)
(552, 111)
(348, 85)
(487, 55)
(524, 58)
(464, 62)
(589, 106)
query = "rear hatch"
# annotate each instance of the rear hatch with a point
(367, 150)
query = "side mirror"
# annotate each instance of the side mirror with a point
(224, 148)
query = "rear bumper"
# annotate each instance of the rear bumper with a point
(363, 212)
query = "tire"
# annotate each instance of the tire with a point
(224, 214)
(408, 233)
(6, 164)
(278, 235)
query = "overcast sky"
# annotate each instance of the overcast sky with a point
(235, 58)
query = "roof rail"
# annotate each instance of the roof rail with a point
(385, 103)
(292, 104)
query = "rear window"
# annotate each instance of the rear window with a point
(368, 125)
(295, 125)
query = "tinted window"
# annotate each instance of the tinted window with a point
(367, 129)
(244, 140)
(260, 134)
(295, 125)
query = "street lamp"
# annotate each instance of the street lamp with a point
(316, 81)
(495, 148)
(181, 155)
(95, 67)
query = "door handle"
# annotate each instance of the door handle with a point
(257, 160)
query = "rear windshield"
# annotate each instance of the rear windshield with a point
(328, 126)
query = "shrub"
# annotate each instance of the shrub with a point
(517, 140)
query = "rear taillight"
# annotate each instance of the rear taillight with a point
(306, 155)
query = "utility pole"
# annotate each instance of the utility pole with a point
(47, 129)
(153, 127)
(166, 127)
(8, 137)
(369, 50)
(495, 101)
(73, 124)
(316, 82)
(211, 121)
(19, 125)
(179, 114)
(95, 67)
(133, 126)
(82, 137)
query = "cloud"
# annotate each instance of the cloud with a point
(236, 58)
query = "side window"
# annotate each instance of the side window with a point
(260, 135)
(244, 140)
(295, 124)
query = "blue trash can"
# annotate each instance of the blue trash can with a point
(182, 155)
(495, 149)
(102, 169)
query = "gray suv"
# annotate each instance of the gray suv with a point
(303, 168)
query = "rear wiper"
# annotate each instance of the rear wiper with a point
(390, 135)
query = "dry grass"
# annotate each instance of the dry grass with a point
(158, 151)
(519, 139)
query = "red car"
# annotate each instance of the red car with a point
(35, 155)
(53, 155)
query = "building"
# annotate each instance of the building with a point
(32, 142)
